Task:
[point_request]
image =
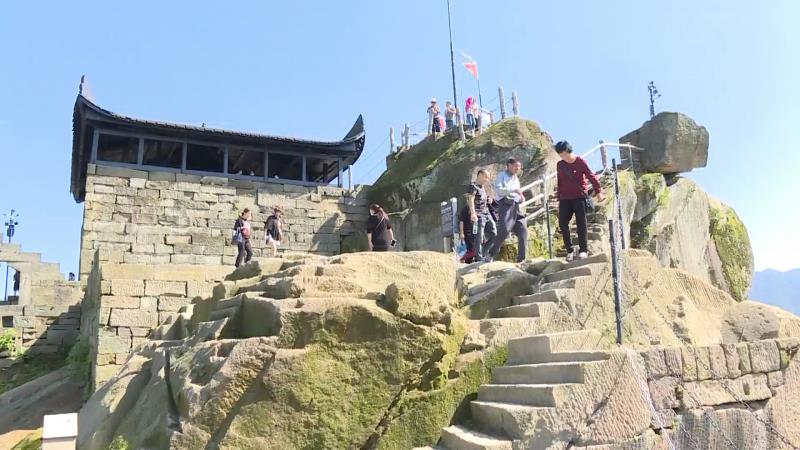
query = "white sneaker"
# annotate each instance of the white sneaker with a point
(583, 255)
(570, 256)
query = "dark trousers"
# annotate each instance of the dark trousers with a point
(436, 125)
(449, 123)
(486, 233)
(509, 219)
(566, 209)
(244, 247)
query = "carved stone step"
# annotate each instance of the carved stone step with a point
(456, 437)
(542, 395)
(541, 373)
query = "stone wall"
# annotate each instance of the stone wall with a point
(138, 217)
(691, 386)
(124, 302)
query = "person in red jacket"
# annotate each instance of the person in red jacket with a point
(573, 192)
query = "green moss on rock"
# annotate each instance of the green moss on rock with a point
(422, 415)
(733, 248)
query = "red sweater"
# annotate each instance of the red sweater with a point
(567, 188)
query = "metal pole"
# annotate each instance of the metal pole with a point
(547, 218)
(617, 282)
(452, 57)
(391, 139)
(514, 103)
(502, 97)
(5, 294)
(618, 200)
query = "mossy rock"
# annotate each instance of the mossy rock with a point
(32, 441)
(733, 247)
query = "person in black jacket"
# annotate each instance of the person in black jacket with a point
(274, 230)
(241, 237)
(379, 231)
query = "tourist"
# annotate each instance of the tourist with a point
(449, 115)
(16, 282)
(477, 202)
(433, 113)
(468, 232)
(573, 197)
(274, 230)
(241, 236)
(380, 236)
(509, 196)
(71, 277)
(469, 110)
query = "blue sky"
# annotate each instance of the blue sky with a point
(309, 68)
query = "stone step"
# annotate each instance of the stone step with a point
(544, 347)
(526, 310)
(576, 356)
(456, 437)
(541, 395)
(551, 296)
(508, 419)
(498, 331)
(600, 258)
(558, 285)
(541, 373)
(582, 271)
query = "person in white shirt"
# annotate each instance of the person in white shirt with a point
(509, 217)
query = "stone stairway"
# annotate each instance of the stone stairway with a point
(541, 373)
(13, 254)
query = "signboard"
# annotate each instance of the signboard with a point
(449, 210)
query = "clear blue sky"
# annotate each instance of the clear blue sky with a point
(308, 69)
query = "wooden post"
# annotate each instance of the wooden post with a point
(547, 218)
(515, 103)
(391, 139)
(604, 155)
(491, 118)
(430, 123)
(460, 125)
(502, 97)
(406, 132)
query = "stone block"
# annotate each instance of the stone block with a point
(137, 183)
(143, 258)
(161, 176)
(133, 318)
(655, 363)
(663, 391)
(24, 321)
(113, 344)
(175, 272)
(200, 289)
(172, 239)
(689, 363)
(11, 310)
(158, 288)
(744, 358)
(124, 332)
(140, 331)
(105, 358)
(719, 392)
(127, 272)
(115, 301)
(61, 337)
(126, 191)
(718, 365)
(703, 362)
(732, 360)
(672, 357)
(127, 288)
(104, 373)
(142, 248)
(764, 356)
(150, 238)
(172, 304)
(149, 303)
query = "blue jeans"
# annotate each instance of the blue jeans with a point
(487, 230)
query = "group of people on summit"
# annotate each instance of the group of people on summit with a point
(474, 116)
(485, 222)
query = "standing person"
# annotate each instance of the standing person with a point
(242, 233)
(478, 204)
(467, 232)
(449, 115)
(509, 217)
(434, 111)
(469, 110)
(379, 231)
(16, 282)
(274, 229)
(573, 197)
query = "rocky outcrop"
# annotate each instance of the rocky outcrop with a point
(672, 143)
(439, 168)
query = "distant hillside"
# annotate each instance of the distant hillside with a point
(778, 288)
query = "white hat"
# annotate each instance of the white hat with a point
(433, 100)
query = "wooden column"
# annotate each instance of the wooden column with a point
(502, 97)
(515, 103)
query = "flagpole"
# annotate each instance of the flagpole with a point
(452, 58)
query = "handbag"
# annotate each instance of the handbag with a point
(587, 200)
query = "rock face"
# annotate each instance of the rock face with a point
(672, 142)
(688, 229)
(317, 355)
(437, 169)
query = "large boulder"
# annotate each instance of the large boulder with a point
(439, 168)
(672, 143)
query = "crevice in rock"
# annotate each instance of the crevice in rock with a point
(173, 416)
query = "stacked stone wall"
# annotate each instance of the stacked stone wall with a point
(139, 217)
(125, 302)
